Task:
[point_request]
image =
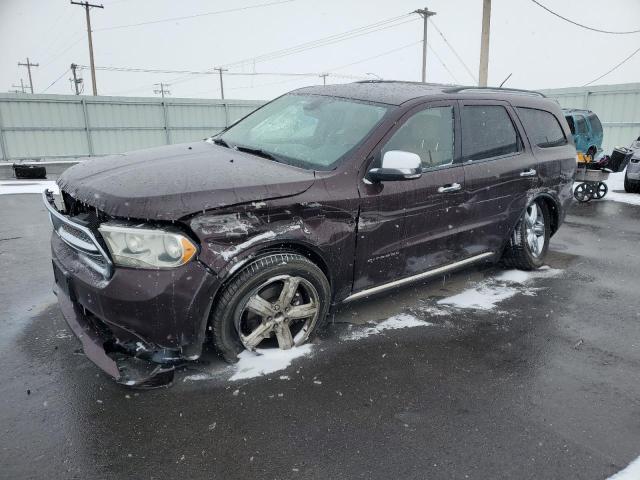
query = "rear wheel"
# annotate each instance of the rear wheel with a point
(530, 239)
(278, 301)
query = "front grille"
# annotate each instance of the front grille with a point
(77, 233)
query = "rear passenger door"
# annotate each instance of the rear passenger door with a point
(499, 171)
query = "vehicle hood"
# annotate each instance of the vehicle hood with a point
(171, 182)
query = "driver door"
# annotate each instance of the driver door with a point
(409, 226)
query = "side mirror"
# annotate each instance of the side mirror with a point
(397, 165)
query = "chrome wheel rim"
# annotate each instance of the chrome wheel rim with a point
(284, 308)
(534, 229)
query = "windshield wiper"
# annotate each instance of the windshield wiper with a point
(221, 142)
(257, 151)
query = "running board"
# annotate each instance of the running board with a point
(419, 276)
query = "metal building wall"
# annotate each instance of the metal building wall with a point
(67, 126)
(617, 106)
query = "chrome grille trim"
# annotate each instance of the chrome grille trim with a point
(83, 241)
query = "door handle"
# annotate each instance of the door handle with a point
(529, 173)
(454, 187)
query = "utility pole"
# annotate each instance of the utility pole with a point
(220, 70)
(163, 89)
(324, 78)
(484, 43)
(29, 65)
(86, 6)
(76, 81)
(21, 87)
(425, 13)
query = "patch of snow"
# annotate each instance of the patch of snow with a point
(616, 182)
(487, 294)
(13, 187)
(632, 472)
(482, 297)
(403, 320)
(265, 361)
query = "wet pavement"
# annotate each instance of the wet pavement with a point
(546, 384)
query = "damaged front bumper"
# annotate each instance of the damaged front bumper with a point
(135, 324)
(125, 369)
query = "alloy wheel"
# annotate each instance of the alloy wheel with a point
(535, 229)
(285, 307)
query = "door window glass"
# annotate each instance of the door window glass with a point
(572, 126)
(596, 126)
(581, 124)
(542, 127)
(429, 134)
(487, 131)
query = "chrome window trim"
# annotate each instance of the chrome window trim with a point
(88, 250)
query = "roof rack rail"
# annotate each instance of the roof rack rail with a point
(496, 89)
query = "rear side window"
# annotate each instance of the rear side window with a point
(542, 127)
(596, 126)
(487, 131)
(581, 124)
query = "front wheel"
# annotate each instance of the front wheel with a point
(278, 301)
(530, 239)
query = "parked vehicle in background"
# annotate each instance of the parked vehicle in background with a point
(324, 195)
(586, 130)
(632, 175)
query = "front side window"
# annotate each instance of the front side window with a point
(310, 131)
(596, 126)
(429, 134)
(542, 127)
(487, 132)
(572, 125)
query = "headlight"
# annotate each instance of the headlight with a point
(146, 247)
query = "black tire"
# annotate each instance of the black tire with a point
(583, 193)
(234, 296)
(518, 253)
(631, 186)
(600, 190)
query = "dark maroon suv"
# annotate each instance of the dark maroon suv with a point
(324, 195)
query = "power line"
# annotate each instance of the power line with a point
(388, 52)
(186, 17)
(55, 81)
(580, 24)
(614, 68)
(454, 52)
(331, 39)
(443, 64)
(348, 35)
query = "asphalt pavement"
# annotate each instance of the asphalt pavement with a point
(544, 385)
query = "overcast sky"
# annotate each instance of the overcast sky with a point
(541, 51)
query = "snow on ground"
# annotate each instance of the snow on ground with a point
(263, 362)
(403, 320)
(485, 295)
(632, 472)
(11, 187)
(616, 182)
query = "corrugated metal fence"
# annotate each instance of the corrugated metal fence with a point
(67, 126)
(617, 106)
